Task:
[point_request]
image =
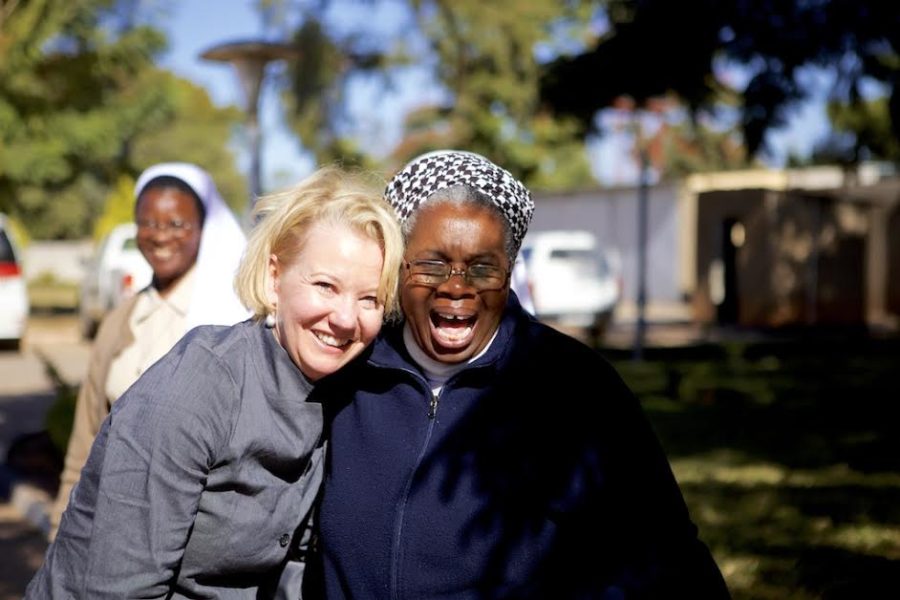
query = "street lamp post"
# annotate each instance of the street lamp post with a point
(637, 112)
(640, 331)
(249, 58)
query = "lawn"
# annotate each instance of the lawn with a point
(789, 457)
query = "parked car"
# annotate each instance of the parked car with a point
(116, 271)
(14, 305)
(574, 282)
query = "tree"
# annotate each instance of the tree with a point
(861, 131)
(487, 62)
(66, 110)
(483, 56)
(654, 47)
(194, 131)
(80, 105)
(317, 92)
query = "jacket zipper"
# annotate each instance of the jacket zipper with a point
(398, 528)
(433, 402)
(432, 406)
(394, 581)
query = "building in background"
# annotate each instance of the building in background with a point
(759, 248)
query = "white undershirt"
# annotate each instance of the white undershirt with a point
(437, 373)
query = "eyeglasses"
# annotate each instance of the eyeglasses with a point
(176, 227)
(435, 272)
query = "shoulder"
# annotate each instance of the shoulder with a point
(195, 389)
(565, 362)
(115, 322)
(113, 335)
(207, 362)
(218, 340)
(212, 348)
(551, 344)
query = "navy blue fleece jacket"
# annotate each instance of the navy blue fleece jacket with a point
(536, 476)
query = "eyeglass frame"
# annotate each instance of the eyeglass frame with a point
(174, 227)
(451, 271)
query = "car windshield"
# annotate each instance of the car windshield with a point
(6, 252)
(585, 262)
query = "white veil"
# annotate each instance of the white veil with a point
(222, 243)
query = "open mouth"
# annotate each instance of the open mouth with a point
(452, 330)
(162, 254)
(332, 341)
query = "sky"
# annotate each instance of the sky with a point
(193, 28)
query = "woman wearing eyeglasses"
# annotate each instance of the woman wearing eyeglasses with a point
(476, 453)
(193, 244)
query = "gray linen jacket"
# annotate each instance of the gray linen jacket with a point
(201, 481)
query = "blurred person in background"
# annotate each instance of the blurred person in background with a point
(477, 453)
(202, 478)
(193, 244)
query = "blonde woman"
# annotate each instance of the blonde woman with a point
(201, 481)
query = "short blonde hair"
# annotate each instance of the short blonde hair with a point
(331, 195)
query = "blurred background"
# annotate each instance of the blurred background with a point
(718, 213)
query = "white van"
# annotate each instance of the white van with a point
(574, 283)
(116, 271)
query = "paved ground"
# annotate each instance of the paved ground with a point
(26, 392)
(22, 547)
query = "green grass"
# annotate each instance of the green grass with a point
(788, 454)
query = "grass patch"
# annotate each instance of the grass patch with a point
(788, 454)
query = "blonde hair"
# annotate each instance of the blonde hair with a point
(330, 195)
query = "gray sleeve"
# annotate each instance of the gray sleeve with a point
(133, 510)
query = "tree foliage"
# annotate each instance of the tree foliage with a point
(66, 108)
(654, 47)
(195, 131)
(483, 58)
(81, 103)
(487, 61)
(861, 131)
(678, 146)
(317, 89)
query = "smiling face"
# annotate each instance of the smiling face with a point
(326, 300)
(171, 251)
(452, 322)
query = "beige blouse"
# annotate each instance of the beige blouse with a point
(157, 323)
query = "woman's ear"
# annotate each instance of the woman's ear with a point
(272, 283)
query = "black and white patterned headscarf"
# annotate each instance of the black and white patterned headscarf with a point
(428, 173)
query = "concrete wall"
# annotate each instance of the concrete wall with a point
(63, 260)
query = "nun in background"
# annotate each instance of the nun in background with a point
(193, 244)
